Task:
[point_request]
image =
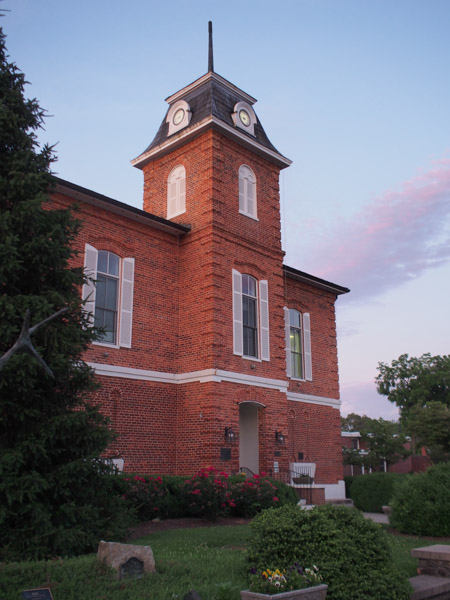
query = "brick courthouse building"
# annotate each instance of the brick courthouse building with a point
(214, 352)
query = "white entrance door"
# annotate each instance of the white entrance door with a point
(248, 436)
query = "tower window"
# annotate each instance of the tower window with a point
(249, 316)
(176, 192)
(247, 192)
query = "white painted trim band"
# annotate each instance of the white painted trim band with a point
(295, 397)
(190, 131)
(205, 376)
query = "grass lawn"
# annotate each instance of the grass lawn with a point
(401, 546)
(209, 560)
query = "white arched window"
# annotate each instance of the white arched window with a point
(247, 192)
(108, 295)
(176, 192)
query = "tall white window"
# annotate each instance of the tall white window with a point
(247, 192)
(108, 295)
(298, 344)
(176, 192)
(250, 317)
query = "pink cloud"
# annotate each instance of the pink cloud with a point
(396, 238)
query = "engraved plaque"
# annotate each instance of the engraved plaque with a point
(39, 594)
(132, 569)
(225, 454)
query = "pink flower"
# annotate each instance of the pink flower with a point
(275, 499)
(196, 491)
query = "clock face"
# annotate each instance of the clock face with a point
(178, 116)
(244, 117)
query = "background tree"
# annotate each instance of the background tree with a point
(384, 441)
(56, 497)
(420, 387)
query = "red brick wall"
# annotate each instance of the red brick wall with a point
(182, 322)
(315, 431)
(320, 305)
(155, 306)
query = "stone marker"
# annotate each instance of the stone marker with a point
(37, 594)
(127, 560)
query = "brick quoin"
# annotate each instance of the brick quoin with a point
(171, 395)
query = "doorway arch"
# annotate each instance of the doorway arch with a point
(248, 435)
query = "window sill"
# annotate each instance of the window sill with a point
(105, 344)
(253, 358)
(249, 216)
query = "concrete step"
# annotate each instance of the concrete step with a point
(340, 501)
(430, 586)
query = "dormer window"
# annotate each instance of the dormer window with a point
(179, 116)
(247, 192)
(244, 117)
(176, 192)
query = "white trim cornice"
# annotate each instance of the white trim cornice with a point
(193, 130)
(208, 376)
(295, 397)
(205, 376)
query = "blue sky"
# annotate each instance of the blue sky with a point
(355, 92)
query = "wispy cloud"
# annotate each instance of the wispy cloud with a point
(397, 237)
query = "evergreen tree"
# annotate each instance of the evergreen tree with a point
(56, 496)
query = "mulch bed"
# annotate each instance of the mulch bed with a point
(150, 527)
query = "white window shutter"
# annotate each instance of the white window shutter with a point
(90, 270)
(126, 303)
(238, 337)
(264, 319)
(307, 347)
(287, 332)
(242, 182)
(182, 194)
(171, 198)
(251, 199)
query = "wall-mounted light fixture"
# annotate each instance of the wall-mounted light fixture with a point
(279, 438)
(230, 436)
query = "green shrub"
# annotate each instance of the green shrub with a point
(351, 552)
(371, 492)
(155, 496)
(420, 504)
(251, 495)
(206, 494)
(349, 479)
(209, 493)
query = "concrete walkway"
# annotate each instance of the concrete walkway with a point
(377, 517)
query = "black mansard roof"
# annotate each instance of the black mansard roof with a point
(211, 99)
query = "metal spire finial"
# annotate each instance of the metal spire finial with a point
(210, 50)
